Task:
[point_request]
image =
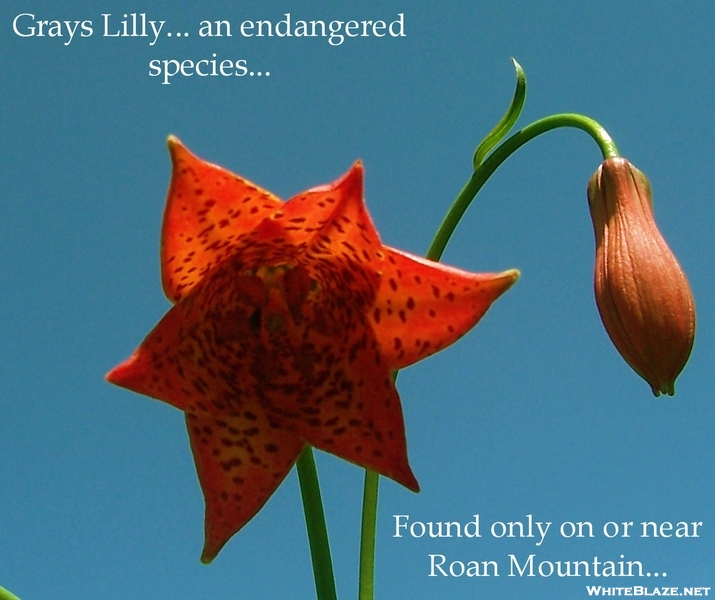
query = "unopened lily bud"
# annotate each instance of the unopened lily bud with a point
(643, 296)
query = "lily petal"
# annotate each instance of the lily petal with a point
(364, 423)
(240, 461)
(339, 222)
(423, 306)
(207, 210)
(151, 371)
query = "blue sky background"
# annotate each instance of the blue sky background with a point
(533, 412)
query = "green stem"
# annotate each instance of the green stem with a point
(516, 141)
(315, 523)
(5, 595)
(445, 231)
(366, 585)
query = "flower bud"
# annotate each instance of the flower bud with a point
(642, 294)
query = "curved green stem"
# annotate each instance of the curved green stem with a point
(445, 231)
(516, 141)
(6, 595)
(315, 523)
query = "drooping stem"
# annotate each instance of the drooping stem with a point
(444, 233)
(317, 529)
(516, 141)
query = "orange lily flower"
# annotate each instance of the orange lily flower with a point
(289, 321)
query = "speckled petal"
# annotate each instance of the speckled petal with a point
(207, 210)
(361, 420)
(333, 218)
(240, 461)
(423, 306)
(152, 369)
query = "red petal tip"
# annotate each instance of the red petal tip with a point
(352, 181)
(125, 374)
(509, 277)
(410, 482)
(177, 150)
(172, 141)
